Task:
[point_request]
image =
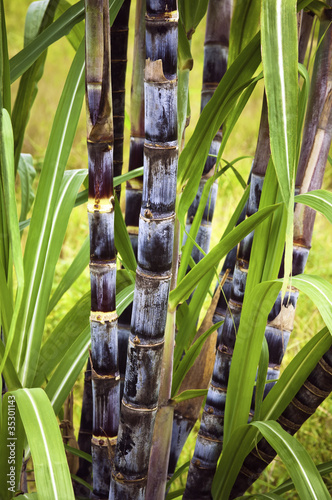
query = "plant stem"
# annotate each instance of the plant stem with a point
(119, 42)
(103, 319)
(155, 249)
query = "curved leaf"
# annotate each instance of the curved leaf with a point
(300, 466)
(62, 338)
(64, 377)
(319, 200)
(189, 358)
(8, 183)
(319, 291)
(50, 464)
(76, 268)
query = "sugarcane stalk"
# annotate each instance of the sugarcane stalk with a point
(119, 43)
(103, 319)
(155, 249)
(215, 64)
(134, 186)
(313, 392)
(209, 440)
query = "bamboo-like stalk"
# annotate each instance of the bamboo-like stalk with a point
(103, 320)
(155, 248)
(209, 440)
(215, 64)
(314, 391)
(134, 186)
(119, 43)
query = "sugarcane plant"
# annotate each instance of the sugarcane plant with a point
(177, 309)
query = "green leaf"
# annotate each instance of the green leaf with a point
(190, 394)
(46, 206)
(266, 496)
(279, 43)
(42, 286)
(122, 240)
(62, 338)
(319, 200)
(124, 298)
(66, 373)
(177, 474)
(188, 283)
(5, 95)
(12, 439)
(249, 338)
(40, 15)
(189, 358)
(319, 291)
(191, 14)
(244, 26)
(9, 373)
(75, 36)
(261, 379)
(27, 175)
(8, 184)
(82, 197)
(50, 464)
(187, 317)
(81, 481)
(300, 466)
(79, 453)
(191, 236)
(61, 27)
(76, 268)
(244, 438)
(323, 469)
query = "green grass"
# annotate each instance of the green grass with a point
(314, 435)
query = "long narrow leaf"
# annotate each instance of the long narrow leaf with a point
(279, 43)
(8, 183)
(300, 466)
(319, 200)
(56, 156)
(50, 464)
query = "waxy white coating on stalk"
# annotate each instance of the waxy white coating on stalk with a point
(155, 245)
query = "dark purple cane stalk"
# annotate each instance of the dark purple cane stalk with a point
(215, 65)
(134, 186)
(155, 249)
(103, 319)
(119, 42)
(209, 440)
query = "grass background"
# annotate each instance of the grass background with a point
(315, 434)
